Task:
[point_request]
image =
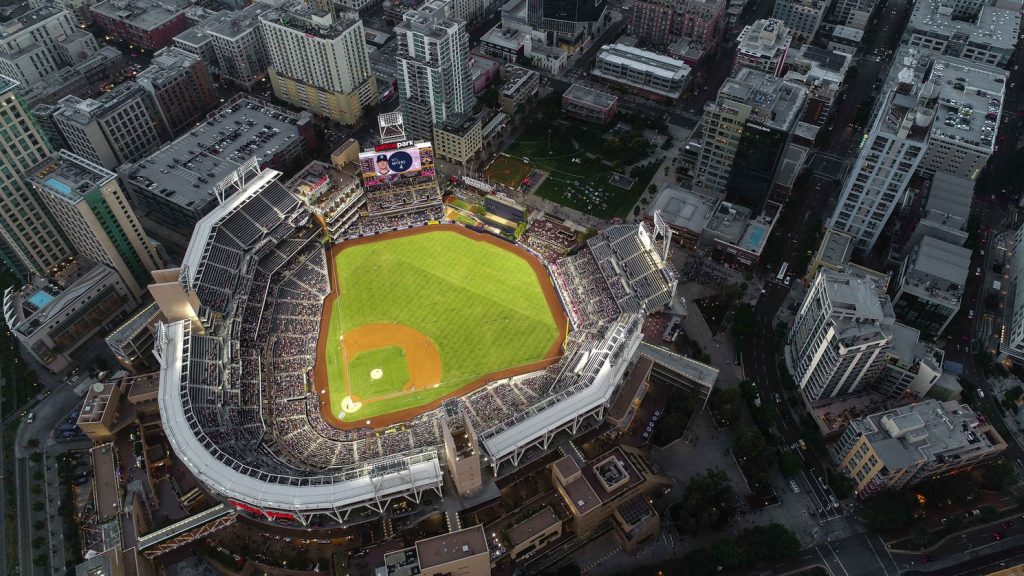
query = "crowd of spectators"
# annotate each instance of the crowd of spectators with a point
(371, 226)
(391, 201)
(549, 238)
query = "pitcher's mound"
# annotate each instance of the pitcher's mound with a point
(376, 374)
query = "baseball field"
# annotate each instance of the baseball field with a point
(421, 315)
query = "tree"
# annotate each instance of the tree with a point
(37, 506)
(790, 464)
(749, 442)
(890, 511)
(840, 484)
(38, 525)
(708, 502)
(727, 404)
(959, 488)
(770, 543)
(728, 554)
(742, 322)
(39, 560)
(32, 443)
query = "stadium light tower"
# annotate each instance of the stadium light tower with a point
(392, 127)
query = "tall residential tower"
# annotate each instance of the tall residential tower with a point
(89, 205)
(29, 242)
(434, 81)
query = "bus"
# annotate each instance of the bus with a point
(782, 271)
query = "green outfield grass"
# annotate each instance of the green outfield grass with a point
(390, 361)
(481, 305)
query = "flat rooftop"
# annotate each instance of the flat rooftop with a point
(729, 222)
(310, 21)
(683, 208)
(27, 310)
(69, 176)
(167, 66)
(995, 27)
(835, 249)
(937, 270)
(429, 20)
(854, 296)
(533, 525)
(952, 196)
(82, 112)
(642, 60)
(232, 24)
(185, 170)
(105, 489)
(925, 431)
(28, 19)
(970, 102)
(518, 77)
(451, 547)
(507, 38)
(145, 14)
(776, 103)
(764, 38)
(590, 97)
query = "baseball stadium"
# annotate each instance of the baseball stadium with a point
(331, 345)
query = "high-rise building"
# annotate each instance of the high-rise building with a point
(571, 22)
(746, 130)
(318, 63)
(41, 41)
(803, 17)
(852, 13)
(822, 72)
(179, 85)
(763, 46)
(119, 126)
(931, 284)
(907, 445)
(888, 157)
(231, 43)
(840, 337)
(29, 241)
(961, 144)
(979, 31)
(697, 27)
(149, 24)
(88, 204)
(1011, 337)
(434, 77)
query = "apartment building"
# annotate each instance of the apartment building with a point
(901, 447)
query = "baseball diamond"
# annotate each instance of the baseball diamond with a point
(417, 316)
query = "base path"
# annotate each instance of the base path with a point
(420, 353)
(381, 335)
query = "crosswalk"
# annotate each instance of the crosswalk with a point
(594, 564)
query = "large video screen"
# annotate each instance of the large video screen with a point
(386, 166)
